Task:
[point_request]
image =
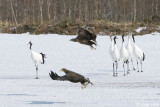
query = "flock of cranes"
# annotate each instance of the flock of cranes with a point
(125, 54)
(87, 38)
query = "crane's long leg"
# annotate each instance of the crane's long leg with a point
(132, 64)
(141, 67)
(124, 69)
(36, 71)
(137, 66)
(127, 62)
(116, 67)
(113, 70)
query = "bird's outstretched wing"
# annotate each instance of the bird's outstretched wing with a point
(84, 34)
(70, 73)
(54, 76)
(66, 71)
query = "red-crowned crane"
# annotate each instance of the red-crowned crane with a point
(130, 50)
(37, 58)
(124, 55)
(114, 54)
(139, 54)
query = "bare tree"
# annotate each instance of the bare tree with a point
(13, 13)
(40, 11)
(135, 10)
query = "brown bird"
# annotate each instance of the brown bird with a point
(71, 76)
(85, 37)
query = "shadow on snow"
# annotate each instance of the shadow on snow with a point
(45, 102)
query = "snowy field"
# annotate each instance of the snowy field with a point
(18, 88)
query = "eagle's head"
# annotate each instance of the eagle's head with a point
(87, 81)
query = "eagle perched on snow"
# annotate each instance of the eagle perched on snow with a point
(85, 37)
(72, 77)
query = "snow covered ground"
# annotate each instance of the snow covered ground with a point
(18, 88)
(140, 29)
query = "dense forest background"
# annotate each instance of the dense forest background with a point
(18, 12)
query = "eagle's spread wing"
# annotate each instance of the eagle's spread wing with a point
(71, 73)
(66, 71)
(54, 76)
(72, 77)
(84, 35)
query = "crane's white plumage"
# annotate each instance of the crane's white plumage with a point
(37, 58)
(124, 55)
(114, 55)
(111, 46)
(138, 54)
(130, 50)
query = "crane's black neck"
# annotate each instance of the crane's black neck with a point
(115, 40)
(122, 38)
(133, 38)
(30, 43)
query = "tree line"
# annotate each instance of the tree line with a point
(53, 11)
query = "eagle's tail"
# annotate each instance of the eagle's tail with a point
(54, 76)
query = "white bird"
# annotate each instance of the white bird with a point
(111, 46)
(139, 54)
(114, 55)
(37, 58)
(124, 55)
(130, 51)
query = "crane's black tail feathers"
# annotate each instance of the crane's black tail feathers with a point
(43, 56)
(54, 76)
(143, 56)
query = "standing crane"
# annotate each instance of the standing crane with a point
(37, 58)
(130, 50)
(124, 56)
(139, 54)
(114, 55)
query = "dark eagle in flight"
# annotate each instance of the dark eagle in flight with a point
(72, 77)
(85, 37)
